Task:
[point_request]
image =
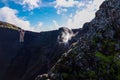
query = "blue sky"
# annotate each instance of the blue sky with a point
(44, 15)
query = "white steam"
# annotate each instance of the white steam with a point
(65, 36)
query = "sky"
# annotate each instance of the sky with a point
(45, 15)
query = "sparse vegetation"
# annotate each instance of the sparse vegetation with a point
(8, 25)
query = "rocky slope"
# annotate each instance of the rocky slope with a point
(96, 54)
(38, 53)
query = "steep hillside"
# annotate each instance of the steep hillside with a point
(96, 54)
(36, 55)
(10, 46)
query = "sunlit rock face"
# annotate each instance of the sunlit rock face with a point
(64, 36)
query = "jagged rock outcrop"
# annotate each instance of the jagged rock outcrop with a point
(36, 55)
(96, 54)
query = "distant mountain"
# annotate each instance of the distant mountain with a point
(96, 53)
(36, 55)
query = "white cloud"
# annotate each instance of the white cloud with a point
(40, 24)
(61, 10)
(74, 20)
(62, 5)
(29, 4)
(85, 15)
(81, 4)
(38, 27)
(66, 3)
(56, 24)
(10, 15)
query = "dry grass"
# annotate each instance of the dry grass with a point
(8, 25)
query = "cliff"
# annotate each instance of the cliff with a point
(89, 53)
(96, 54)
(36, 55)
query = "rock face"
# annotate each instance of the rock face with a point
(38, 53)
(96, 54)
(9, 47)
(91, 54)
